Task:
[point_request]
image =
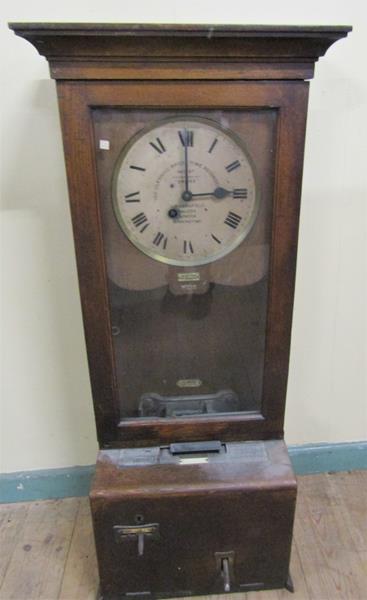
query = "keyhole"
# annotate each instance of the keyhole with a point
(139, 519)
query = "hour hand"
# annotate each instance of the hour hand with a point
(220, 193)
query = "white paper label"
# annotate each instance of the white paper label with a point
(197, 460)
(104, 144)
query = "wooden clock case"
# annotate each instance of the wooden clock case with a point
(170, 518)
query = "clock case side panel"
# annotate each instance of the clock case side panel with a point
(77, 100)
(83, 197)
(287, 203)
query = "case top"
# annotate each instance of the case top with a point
(148, 51)
(251, 465)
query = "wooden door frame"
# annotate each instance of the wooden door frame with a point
(77, 101)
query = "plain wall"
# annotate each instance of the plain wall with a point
(46, 415)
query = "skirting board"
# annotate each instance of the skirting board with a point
(25, 486)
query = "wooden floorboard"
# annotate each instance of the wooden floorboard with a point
(80, 576)
(12, 517)
(332, 565)
(37, 564)
(47, 548)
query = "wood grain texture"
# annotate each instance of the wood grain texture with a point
(335, 568)
(80, 578)
(12, 517)
(194, 67)
(240, 502)
(317, 575)
(37, 563)
(77, 100)
(182, 67)
(135, 51)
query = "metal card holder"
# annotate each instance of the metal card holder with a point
(126, 533)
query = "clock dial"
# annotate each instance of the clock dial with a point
(185, 191)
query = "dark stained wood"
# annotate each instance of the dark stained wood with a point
(166, 52)
(240, 426)
(243, 506)
(118, 51)
(238, 505)
(328, 552)
(289, 99)
(182, 30)
(90, 262)
(169, 69)
(118, 45)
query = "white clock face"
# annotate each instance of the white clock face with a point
(184, 191)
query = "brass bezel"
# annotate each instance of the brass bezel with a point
(155, 255)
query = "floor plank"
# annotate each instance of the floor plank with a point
(298, 578)
(12, 517)
(350, 493)
(81, 576)
(333, 569)
(37, 564)
(263, 595)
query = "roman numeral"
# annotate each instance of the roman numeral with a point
(233, 220)
(140, 219)
(187, 247)
(137, 168)
(186, 137)
(133, 197)
(233, 166)
(216, 239)
(158, 238)
(213, 146)
(240, 193)
(158, 146)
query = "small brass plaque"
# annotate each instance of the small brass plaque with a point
(192, 276)
(190, 383)
(123, 533)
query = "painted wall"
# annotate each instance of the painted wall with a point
(46, 414)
